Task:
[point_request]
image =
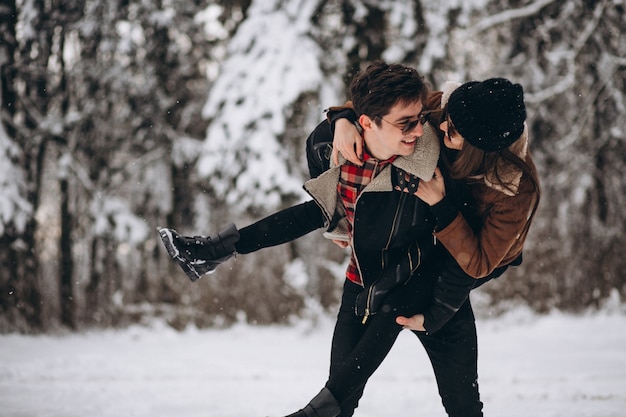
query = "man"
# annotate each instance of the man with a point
(391, 271)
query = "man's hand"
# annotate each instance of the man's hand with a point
(348, 142)
(412, 323)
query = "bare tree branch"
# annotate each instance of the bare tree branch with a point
(569, 79)
(584, 114)
(590, 28)
(562, 86)
(507, 16)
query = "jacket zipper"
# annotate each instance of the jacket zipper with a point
(367, 309)
(369, 292)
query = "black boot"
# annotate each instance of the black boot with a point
(323, 404)
(200, 255)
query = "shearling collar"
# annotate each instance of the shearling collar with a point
(421, 163)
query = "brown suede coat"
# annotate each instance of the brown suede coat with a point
(505, 217)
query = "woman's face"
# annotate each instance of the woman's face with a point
(452, 139)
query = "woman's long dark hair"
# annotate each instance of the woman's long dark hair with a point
(471, 161)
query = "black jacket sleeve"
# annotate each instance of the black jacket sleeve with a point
(445, 212)
(319, 144)
(344, 112)
(318, 148)
(451, 289)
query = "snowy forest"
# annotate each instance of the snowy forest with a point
(121, 116)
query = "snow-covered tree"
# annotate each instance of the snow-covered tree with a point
(15, 210)
(271, 62)
(121, 117)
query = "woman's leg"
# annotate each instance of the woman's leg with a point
(199, 255)
(281, 227)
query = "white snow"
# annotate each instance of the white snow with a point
(555, 365)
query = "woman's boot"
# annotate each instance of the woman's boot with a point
(200, 255)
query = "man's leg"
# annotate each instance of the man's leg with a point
(348, 331)
(359, 349)
(453, 352)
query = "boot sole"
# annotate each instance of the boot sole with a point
(172, 251)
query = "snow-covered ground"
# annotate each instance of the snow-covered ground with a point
(543, 366)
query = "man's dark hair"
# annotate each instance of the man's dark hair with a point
(381, 86)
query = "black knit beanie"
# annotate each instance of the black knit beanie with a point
(490, 114)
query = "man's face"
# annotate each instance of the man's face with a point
(398, 131)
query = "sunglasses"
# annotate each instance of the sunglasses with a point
(408, 127)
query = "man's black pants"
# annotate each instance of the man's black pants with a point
(358, 349)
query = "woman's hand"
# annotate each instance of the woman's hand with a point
(348, 142)
(431, 192)
(415, 322)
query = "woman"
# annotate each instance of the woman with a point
(486, 154)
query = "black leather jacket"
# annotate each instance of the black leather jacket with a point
(392, 230)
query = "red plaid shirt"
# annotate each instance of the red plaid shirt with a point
(352, 180)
